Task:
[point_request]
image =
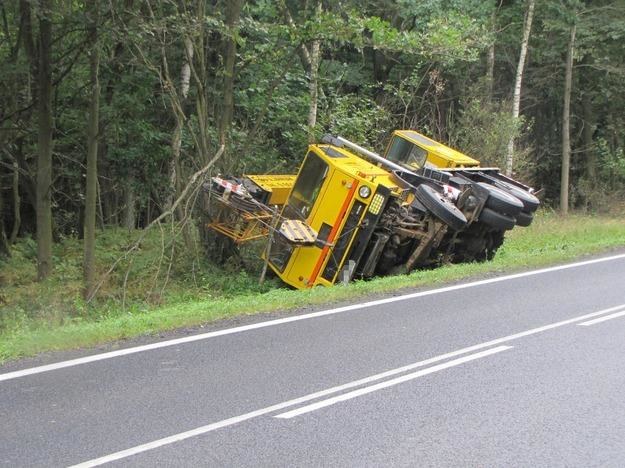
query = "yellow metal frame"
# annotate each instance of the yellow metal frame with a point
(278, 186)
(239, 225)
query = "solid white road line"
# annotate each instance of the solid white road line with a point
(602, 319)
(312, 396)
(295, 318)
(390, 383)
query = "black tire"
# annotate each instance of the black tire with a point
(524, 219)
(530, 202)
(501, 201)
(441, 207)
(496, 220)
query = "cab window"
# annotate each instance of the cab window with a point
(308, 185)
(407, 153)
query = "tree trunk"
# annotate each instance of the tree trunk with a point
(92, 157)
(313, 88)
(109, 189)
(516, 101)
(129, 205)
(176, 143)
(490, 70)
(490, 56)
(313, 84)
(29, 45)
(587, 133)
(566, 116)
(5, 251)
(99, 190)
(29, 176)
(44, 158)
(175, 166)
(233, 11)
(113, 204)
(17, 215)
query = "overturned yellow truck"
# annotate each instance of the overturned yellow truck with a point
(351, 213)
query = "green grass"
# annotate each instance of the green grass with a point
(37, 317)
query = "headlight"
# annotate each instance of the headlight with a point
(364, 191)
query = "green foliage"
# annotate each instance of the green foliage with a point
(356, 118)
(606, 194)
(611, 165)
(484, 127)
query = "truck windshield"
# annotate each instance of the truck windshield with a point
(307, 186)
(407, 153)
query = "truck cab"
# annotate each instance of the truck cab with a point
(415, 151)
(341, 197)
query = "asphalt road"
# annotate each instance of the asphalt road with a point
(524, 370)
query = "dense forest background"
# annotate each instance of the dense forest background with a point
(113, 112)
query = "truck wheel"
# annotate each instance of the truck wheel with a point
(496, 220)
(530, 202)
(524, 219)
(501, 201)
(441, 207)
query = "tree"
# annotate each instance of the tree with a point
(313, 84)
(4, 242)
(92, 152)
(176, 143)
(566, 118)
(44, 159)
(516, 100)
(233, 11)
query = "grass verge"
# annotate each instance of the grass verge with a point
(550, 239)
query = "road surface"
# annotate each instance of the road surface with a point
(518, 370)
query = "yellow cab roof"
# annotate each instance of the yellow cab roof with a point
(437, 148)
(356, 166)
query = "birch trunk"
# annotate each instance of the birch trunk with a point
(176, 143)
(490, 60)
(566, 116)
(313, 84)
(490, 70)
(313, 88)
(516, 100)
